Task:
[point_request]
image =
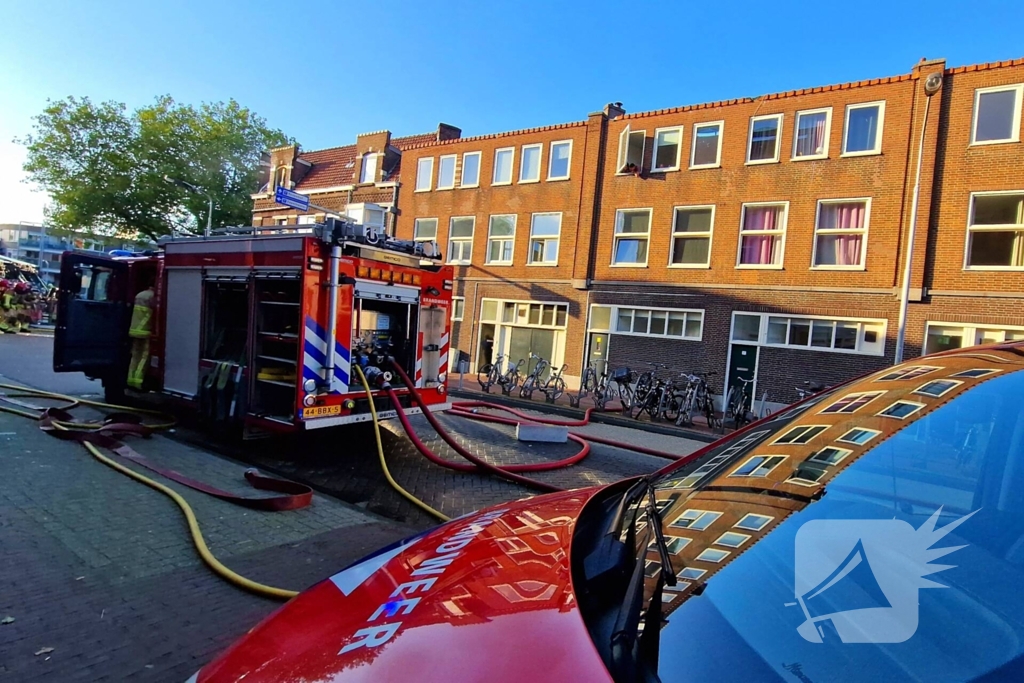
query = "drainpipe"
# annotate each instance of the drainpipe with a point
(932, 85)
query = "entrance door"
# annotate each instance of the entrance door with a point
(598, 352)
(742, 364)
(523, 341)
(93, 313)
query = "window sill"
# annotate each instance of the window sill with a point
(985, 143)
(869, 153)
(469, 187)
(753, 266)
(459, 263)
(833, 268)
(627, 265)
(690, 266)
(551, 180)
(665, 170)
(498, 263)
(426, 190)
(704, 166)
(761, 162)
(816, 157)
(442, 189)
(982, 269)
(503, 183)
(543, 265)
(528, 182)
(825, 349)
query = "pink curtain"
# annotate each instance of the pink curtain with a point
(759, 249)
(841, 250)
(811, 139)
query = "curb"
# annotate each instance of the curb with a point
(613, 419)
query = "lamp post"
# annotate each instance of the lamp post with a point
(195, 190)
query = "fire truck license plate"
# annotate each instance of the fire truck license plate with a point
(321, 411)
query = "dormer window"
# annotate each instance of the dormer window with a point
(281, 177)
(368, 170)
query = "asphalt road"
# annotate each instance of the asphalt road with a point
(28, 359)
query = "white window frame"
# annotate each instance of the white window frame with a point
(511, 167)
(415, 229)
(539, 146)
(440, 163)
(762, 335)
(551, 159)
(744, 538)
(953, 384)
(827, 111)
(616, 236)
(712, 555)
(687, 312)
(714, 517)
(1019, 89)
(452, 241)
(622, 159)
(780, 122)
(806, 428)
(697, 235)
(777, 231)
(802, 481)
(419, 175)
(976, 373)
(376, 157)
(918, 406)
(970, 331)
(971, 229)
(766, 456)
(462, 171)
(878, 135)
(545, 238)
(679, 149)
(844, 453)
(855, 395)
(907, 372)
(458, 312)
(872, 432)
(511, 238)
(693, 144)
(768, 519)
(863, 232)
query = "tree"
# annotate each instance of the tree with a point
(104, 167)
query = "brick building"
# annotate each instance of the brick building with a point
(762, 238)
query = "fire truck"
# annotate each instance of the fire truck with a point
(264, 325)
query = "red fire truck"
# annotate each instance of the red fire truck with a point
(263, 325)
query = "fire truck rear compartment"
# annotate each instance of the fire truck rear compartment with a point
(389, 326)
(275, 348)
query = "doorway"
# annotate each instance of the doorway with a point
(597, 352)
(742, 365)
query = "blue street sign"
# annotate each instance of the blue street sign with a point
(283, 195)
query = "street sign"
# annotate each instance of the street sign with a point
(283, 195)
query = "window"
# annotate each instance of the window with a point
(687, 324)
(802, 434)
(746, 327)
(707, 145)
(859, 436)
(503, 160)
(460, 239)
(753, 522)
(908, 372)
(806, 476)
(851, 403)
(458, 308)
(840, 233)
(731, 539)
(632, 230)
(763, 145)
(698, 520)
(281, 177)
(853, 336)
(691, 573)
(762, 235)
(997, 114)
(944, 337)
(995, 233)
(470, 170)
(831, 455)
(863, 131)
(812, 132)
(501, 235)
(529, 171)
(667, 144)
(446, 172)
(308, 219)
(758, 466)
(631, 150)
(938, 387)
(691, 236)
(424, 229)
(901, 409)
(712, 555)
(559, 159)
(976, 373)
(424, 174)
(368, 169)
(676, 544)
(544, 231)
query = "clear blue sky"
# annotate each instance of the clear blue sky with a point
(325, 70)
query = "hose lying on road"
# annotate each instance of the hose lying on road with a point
(101, 433)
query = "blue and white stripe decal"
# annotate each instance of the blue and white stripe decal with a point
(314, 353)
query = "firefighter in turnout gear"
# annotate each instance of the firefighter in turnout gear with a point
(140, 332)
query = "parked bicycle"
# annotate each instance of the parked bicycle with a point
(737, 402)
(697, 399)
(490, 374)
(655, 396)
(554, 387)
(621, 383)
(809, 388)
(600, 387)
(533, 381)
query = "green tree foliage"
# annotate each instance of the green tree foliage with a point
(104, 166)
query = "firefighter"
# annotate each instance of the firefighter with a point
(140, 331)
(7, 314)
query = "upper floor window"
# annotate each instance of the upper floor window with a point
(707, 145)
(559, 159)
(424, 174)
(529, 170)
(503, 159)
(997, 114)
(368, 169)
(460, 240)
(544, 232)
(840, 233)
(458, 308)
(631, 150)
(862, 133)
(470, 169)
(691, 236)
(763, 145)
(632, 231)
(762, 235)
(667, 144)
(995, 232)
(446, 172)
(851, 403)
(425, 229)
(501, 235)
(812, 132)
(281, 179)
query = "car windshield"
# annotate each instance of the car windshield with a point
(874, 533)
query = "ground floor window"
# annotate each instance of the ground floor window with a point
(849, 335)
(680, 323)
(946, 336)
(519, 329)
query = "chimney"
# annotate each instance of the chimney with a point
(614, 110)
(446, 132)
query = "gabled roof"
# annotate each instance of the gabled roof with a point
(335, 166)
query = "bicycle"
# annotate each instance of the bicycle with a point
(651, 394)
(532, 381)
(809, 389)
(490, 374)
(738, 402)
(554, 387)
(623, 379)
(697, 398)
(588, 385)
(509, 380)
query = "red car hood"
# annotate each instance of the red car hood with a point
(486, 597)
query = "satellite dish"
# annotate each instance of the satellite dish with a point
(933, 83)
